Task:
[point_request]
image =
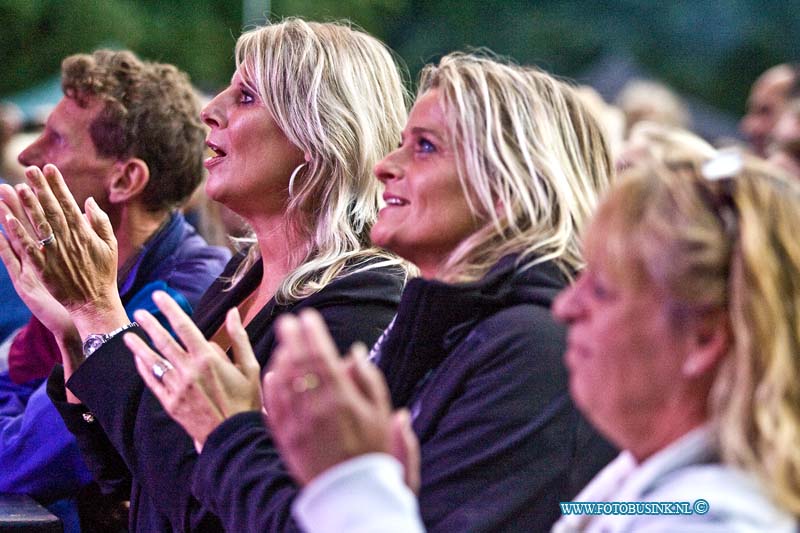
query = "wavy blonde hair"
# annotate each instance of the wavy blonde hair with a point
(338, 95)
(532, 161)
(730, 247)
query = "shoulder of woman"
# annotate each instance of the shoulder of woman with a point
(369, 280)
(725, 495)
(522, 323)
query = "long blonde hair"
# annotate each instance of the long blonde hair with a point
(532, 161)
(729, 246)
(337, 94)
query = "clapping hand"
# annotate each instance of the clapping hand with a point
(199, 386)
(324, 410)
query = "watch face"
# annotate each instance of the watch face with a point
(93, 342)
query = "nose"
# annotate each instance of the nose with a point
(32, 155)
(568, 305)
(213, 114)
(389, 167)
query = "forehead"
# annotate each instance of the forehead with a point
(769, 91)
(70, 114)
(428, 112)
(616, 251)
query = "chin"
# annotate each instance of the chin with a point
(578, 397)
(379, 237)
(215, 191)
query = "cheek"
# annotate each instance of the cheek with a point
(593, 380)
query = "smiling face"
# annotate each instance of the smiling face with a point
(426, 215)
(624, 351)
(253, 159)
(67, 144)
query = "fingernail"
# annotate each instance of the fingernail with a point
(406, 418)
(11, 221)
(360, 351)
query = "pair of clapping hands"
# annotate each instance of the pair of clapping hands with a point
(322, 409)
(63, 264)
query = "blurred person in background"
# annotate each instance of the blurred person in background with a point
(784, 149)
(309, 111)
(11, 121)
(498, 169)
(765, 104)
(651, 140)
(647, 100)
(127, 134)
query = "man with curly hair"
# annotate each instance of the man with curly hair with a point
(128, 134)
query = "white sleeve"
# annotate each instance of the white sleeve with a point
(361, 495)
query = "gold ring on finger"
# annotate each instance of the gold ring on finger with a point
(306, 382)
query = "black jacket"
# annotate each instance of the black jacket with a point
(480, 366)
(135, 436)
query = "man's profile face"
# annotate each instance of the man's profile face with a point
(764, 106)
(67, 144)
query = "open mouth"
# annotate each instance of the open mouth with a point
(394, 201)
(217, 154)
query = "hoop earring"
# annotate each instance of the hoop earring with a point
(292, 177)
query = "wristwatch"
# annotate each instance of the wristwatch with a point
(94, 341)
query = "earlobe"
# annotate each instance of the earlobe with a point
(132, 176)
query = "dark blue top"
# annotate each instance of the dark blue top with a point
(38, 456)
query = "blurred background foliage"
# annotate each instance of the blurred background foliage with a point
(712, 50)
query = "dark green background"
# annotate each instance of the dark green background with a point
(711, 50)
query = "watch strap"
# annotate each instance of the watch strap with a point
(94, 341)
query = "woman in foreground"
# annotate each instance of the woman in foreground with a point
(309, 111)
(498, 168)
(683, 346)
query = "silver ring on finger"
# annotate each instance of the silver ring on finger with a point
(160, 368)
(50, 239)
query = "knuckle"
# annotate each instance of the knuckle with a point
(183, 328)
(162, 343)
(202, 365)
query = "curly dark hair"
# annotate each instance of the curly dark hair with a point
(151, 112)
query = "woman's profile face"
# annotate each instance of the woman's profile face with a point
(623, 349)
(426, 214)
(252, 158)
